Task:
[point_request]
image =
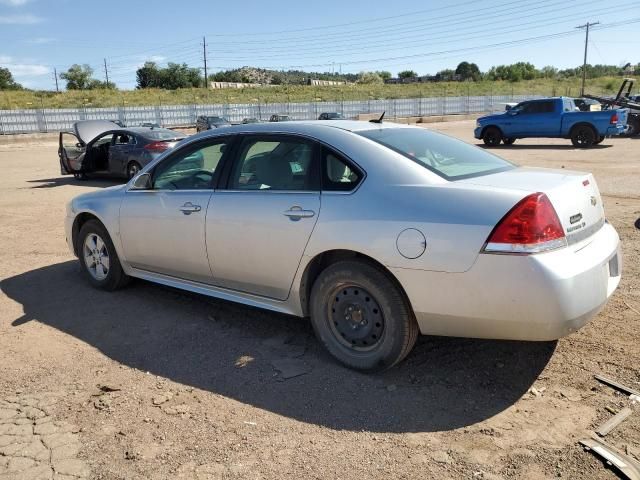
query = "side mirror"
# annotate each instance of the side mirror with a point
(142, 182)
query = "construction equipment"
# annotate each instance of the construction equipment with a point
(623, 99)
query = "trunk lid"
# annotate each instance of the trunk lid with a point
(574, 195)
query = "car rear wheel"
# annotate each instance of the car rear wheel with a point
(98, 258)
(492, 137)
(633, 126)
(508, 141)
(583, 136)
(132, 169)
(361, 316)
(599, 140)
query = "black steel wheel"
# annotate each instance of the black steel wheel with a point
(361, 316)
(356, 318)
(508, 141)
(492, 137)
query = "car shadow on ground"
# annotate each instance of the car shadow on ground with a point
(521, 146)
(233, 350)
(70, 180)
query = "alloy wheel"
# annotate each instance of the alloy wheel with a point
(96, 256)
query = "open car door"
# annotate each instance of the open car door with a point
(71, 152)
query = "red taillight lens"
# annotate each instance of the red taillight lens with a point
(614, 119)
(531, 226)
(157, 146)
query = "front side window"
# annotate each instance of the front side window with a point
(274, 164)
(192, 170)
(450, 158)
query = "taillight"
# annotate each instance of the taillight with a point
(532, 226)
(614, 119)
(157, 146)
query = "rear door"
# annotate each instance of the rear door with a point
(71, 152)
(123, 145)
(259, 225)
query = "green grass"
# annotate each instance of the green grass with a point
(297, 93)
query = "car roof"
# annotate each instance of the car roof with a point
(305, 127)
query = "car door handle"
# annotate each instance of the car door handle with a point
(189, 208)
(296, 213)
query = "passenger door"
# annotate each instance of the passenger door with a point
(163, 228)
(537, 119)
(123, 144)
(71, 152)
(259, 225)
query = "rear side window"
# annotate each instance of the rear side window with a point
(450, 158)
(275, 163)
(338, 174)
(158, 134)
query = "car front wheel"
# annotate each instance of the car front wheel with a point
(361, 316)
(492, 137)
(98, 258)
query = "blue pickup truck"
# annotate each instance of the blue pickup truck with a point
(555, 117)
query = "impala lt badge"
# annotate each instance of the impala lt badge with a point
(575, 218)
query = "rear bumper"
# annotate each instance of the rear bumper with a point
(615, 130)
(528, 297)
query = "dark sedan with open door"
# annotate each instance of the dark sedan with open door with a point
(102, 148)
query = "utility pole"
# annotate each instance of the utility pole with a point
(55, 76)
(106, 72)
(204, 52)
(586, 44)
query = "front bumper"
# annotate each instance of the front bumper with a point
(518, 297)
(477, 133)
(68, 230)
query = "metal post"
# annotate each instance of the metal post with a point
(586, 44)
(206, 77)
(55, 76)
(106, 72)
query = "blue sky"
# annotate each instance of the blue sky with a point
(425, 35)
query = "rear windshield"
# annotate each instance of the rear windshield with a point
(162, 134)
(217, 120)
(450, 158)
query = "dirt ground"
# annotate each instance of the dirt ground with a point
(151, 382)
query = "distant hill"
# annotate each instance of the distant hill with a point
(277, 77)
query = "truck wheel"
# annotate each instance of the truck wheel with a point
(599, 140)
(583, 136)
(508, 141)
(492, 137)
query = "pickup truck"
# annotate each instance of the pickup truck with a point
(555, 117)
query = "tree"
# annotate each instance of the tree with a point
(407, 74)
(174, 76)
(6, 80)
(369, 78)
(445, 75)
(549, 72)
(384, 75)
(468, 71)
(148, 76)
(78, 77)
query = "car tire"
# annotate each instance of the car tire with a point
(80, 176)
(508, 141)
(373, 328)
(633, 127)
(132, 169)
(583, 136)
(492, 136)
(98, 258)
(599, 140)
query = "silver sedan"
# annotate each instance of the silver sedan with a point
(377, 232)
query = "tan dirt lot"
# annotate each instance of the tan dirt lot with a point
(151, 382)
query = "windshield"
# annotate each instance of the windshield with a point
(217, 120)
(162, 134)
(450, 158)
